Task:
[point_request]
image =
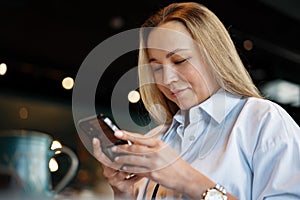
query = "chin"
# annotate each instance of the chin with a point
(187, 103)
(186, 106)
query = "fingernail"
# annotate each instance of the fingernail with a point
(118, 133)
(117, 158)
(114, 149)
(95, 141)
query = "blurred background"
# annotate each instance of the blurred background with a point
(43, 44)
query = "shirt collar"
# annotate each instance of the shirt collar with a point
(179, 116)
(218, 106)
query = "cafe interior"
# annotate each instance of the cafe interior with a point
(44, 44)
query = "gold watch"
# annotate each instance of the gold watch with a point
(216, 193)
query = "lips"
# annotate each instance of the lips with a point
(177, 92)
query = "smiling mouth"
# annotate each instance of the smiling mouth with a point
(177, 92)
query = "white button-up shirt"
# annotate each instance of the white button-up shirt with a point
(250, 146)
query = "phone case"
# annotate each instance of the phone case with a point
(101, 127)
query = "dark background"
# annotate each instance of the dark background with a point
(44, 41)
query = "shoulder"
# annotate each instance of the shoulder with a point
(269, 119)
(262, 104)
(264, 126)
(264, 108)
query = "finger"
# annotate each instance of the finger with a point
(136, 169)
(123, 184)
(122, 177)
(99, 155)
(136, 138)
(131, 149)
(113, 174)
(129, 176)
(109, 172)
(138, 161)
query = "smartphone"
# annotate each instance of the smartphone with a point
(103, 128)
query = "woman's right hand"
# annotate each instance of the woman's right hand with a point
(122, 186)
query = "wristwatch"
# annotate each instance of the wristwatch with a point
(216, 193)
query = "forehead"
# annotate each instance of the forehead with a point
(169, 36)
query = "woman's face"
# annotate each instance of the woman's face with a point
(178, 67)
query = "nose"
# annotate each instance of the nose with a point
(169, 75)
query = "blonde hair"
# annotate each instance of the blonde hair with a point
(219, 50)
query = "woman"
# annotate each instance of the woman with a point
(223, 140)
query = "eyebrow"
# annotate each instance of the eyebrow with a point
(173, 52)
(169, 54)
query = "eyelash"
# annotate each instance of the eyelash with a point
(180, 61)
(158, 68)
(176, 63)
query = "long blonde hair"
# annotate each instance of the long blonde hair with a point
(219, 50)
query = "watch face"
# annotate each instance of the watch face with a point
(214, 194)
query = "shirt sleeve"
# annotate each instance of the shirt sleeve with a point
(276, 160)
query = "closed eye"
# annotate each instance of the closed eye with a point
(180, 61)
(157, 68)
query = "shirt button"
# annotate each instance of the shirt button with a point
(192, 138)
(180, 129)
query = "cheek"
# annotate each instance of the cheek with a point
(197, 82)
(192, 77)
(162, 88)
(195, 75)
(157, 78)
